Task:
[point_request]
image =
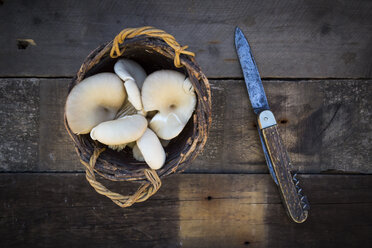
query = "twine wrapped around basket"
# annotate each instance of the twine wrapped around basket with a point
(154, 49)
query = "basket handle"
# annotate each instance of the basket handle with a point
(152, 32)
(145, 191)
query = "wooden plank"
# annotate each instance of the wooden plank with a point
(233, 218)
(289, 38)
(19, 115)
(324, 125)
(56, 150)
(193, 210)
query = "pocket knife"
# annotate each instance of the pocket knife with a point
(277, 159)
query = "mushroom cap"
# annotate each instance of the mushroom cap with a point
(94, 100)
(151, 149)
(133, 75)
(128, 69)
(121, 131)
(170, 93)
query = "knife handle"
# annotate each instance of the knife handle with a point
(282, 167)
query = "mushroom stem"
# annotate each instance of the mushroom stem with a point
(133, 76)
(134, 95)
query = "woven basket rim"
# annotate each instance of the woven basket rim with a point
(201, 117)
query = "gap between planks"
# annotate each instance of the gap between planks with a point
(286, 79)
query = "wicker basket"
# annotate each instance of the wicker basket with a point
(153, 49)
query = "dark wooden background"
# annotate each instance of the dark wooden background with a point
(315, 60)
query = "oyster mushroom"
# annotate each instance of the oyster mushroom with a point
(121, 131)
(94, 100)
(173, 96)
(151, 150)
(133, 76)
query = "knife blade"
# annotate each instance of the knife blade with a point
(276, 155)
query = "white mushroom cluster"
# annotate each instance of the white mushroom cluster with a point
(129, 108)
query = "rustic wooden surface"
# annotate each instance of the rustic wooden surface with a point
(60, 210)
(324, 124)
(315, 58)
(289, 38)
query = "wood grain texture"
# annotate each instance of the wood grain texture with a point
(19, 122)
(289, 38)
(191, 210)
(281, 164)
(325, 125)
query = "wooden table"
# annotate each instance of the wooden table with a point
(315, 60)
